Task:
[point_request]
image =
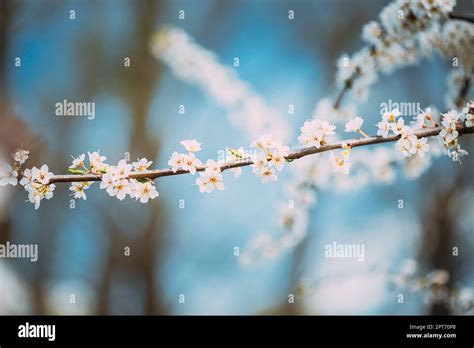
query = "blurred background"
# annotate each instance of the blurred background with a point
(190, 251)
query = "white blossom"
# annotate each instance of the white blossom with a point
(451, 116)
(122, 188)
(468, 114)
(354, 125)
(122, 170)
(35, 198)
(176, 161)
(341, 164)
(266, 141)
(8, 176)
(107, 182)
(237, 172)
(21, 156)
(384, 128)
(422, 146)
(314, 132)
(268, 175)
(96, 162)
(26, 179)
(145, 191)
(271, 156)
(449, 132)
(372, 33)
(391, 116)
(210, 178)
(380, 164)
(407, 145)
(399, 127)
(141, 165)
(415, 166)
(260, 163)
(78, 162)
(41, 175)
(469, 120)
(36, 184)
(278, 159)
(425, 118)
(78, 189)
(456, 152)
(190, 163)
(191, 145)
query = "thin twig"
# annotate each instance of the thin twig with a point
(347, 86)
(460, 100)
(462, 18)
(340, 96)
(293, 155)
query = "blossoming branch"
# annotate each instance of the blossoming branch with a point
(136, 180)
(406, 33)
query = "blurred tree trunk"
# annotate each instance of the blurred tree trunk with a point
(438, 236)
(6, 14)
(138, 85)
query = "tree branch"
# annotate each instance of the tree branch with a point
(462, 18)
(293, 155)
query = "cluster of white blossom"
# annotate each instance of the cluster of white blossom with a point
(408, 31)
(117, 183)
(114, 178)
(341, 163)
(35, 180)
(356, 73)
(196, 65)
(454, 40)
(307, 176)
(411, 153)
(408, 144)
(8, 176)
(270, 158)
(434, 287)
(402, 19)
(189, 161)
(315, 132)
(458, 81)
(450, 135)
(211, 177)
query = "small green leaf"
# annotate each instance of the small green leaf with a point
(235, 153)
(142, 180)
(77, 171)
(289, 160)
